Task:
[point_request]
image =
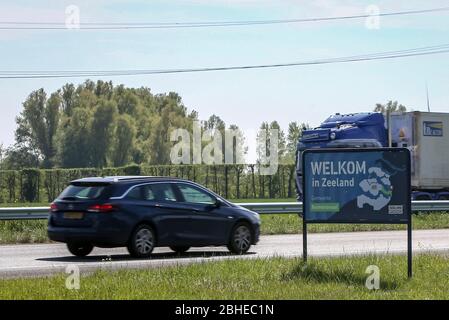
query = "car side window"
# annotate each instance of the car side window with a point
(135, 193)
(152, 192)
(194, 195)
(147, 193)
(159, 192)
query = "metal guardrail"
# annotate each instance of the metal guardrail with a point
(34, 213)
(296, 207)
(273, 207)
(25, 213)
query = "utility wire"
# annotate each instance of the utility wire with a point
(430, 50)
(420, 50)
(26, 25)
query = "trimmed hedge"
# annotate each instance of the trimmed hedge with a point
(230, 181)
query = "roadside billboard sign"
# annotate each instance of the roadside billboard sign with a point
(370, 185)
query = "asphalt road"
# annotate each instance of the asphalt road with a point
(45, 259)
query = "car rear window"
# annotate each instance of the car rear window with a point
(82, 192)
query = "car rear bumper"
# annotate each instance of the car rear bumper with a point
(105, 237)
(102, 230)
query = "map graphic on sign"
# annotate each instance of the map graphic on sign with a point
(377, 189)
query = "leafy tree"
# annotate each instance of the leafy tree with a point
(2, 155)
(101, 132)
(215, 124)
(68, 98)
(127, 103)
(263, 148)
(18, 157)
(237, 149)
(281, 139)
(97, 124)
(390, 106)
(74, 140)
(37, 125)
(294, 133)
(159, 140)
(52, 117)
(104, 89)
(124, 141)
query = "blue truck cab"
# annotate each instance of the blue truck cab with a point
(374, 130)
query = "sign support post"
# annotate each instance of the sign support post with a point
(409, 248)
(304, 238)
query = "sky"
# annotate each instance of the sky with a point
(247, 97)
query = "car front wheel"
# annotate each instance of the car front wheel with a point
(241, 239)
(80, 249)
(142, 242)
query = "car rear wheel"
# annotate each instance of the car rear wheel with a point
(241, 239)
(179, 249)
(142, 242)
(80, 249)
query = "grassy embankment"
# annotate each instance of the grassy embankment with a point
(275, 278)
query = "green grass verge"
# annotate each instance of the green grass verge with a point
(274, 278)
(25, 231)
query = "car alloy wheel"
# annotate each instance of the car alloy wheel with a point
(142, 242)
(241, 239)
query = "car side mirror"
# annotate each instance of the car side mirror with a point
(218, 203)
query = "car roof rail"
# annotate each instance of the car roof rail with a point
(120, 178)
(130, 178)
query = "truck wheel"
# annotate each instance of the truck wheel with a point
(142, 242)
(179, 249)
(80, 249)
(241, 238)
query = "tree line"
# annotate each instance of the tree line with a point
(97, 124)
(98, 129)
(230, 181)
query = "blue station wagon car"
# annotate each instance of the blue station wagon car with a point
(142, 213)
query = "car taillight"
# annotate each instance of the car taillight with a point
(101, 208)
(53, 207)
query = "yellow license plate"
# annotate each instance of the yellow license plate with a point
(73, 215)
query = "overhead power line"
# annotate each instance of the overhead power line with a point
(27, 25)
(39, 74)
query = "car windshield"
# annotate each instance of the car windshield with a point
(82, 192)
